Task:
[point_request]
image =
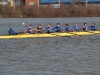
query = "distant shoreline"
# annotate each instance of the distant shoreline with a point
(65, 11)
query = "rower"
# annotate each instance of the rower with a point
(29, 29)
(48, 29)
(85, 27)
(11, 31)
(38, 29)
(67, 28)
(93, 28)
(75, 28)
(57, 28)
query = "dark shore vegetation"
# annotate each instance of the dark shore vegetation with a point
(50, 12)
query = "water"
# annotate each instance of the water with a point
(78, 55)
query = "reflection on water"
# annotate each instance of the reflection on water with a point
(78, 55)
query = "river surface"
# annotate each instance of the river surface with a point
(77, 55)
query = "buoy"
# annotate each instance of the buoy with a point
(23, 23)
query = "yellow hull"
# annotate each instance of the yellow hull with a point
(50, 35)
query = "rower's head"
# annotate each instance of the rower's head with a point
(58, 24)
(76, 24)
(48, 25)
(39, 25)
(93, 24)
(30, 26)
(84, 24)
(66, 25)
(11, 28)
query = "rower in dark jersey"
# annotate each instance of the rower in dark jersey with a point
(38, 29)
(29, 29)
(85, 27)
(57, 28)
(48, 29)
(93, 28)
(67, 28)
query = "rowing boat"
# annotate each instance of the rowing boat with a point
(62, 34)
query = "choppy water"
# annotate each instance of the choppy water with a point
(78, 55)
